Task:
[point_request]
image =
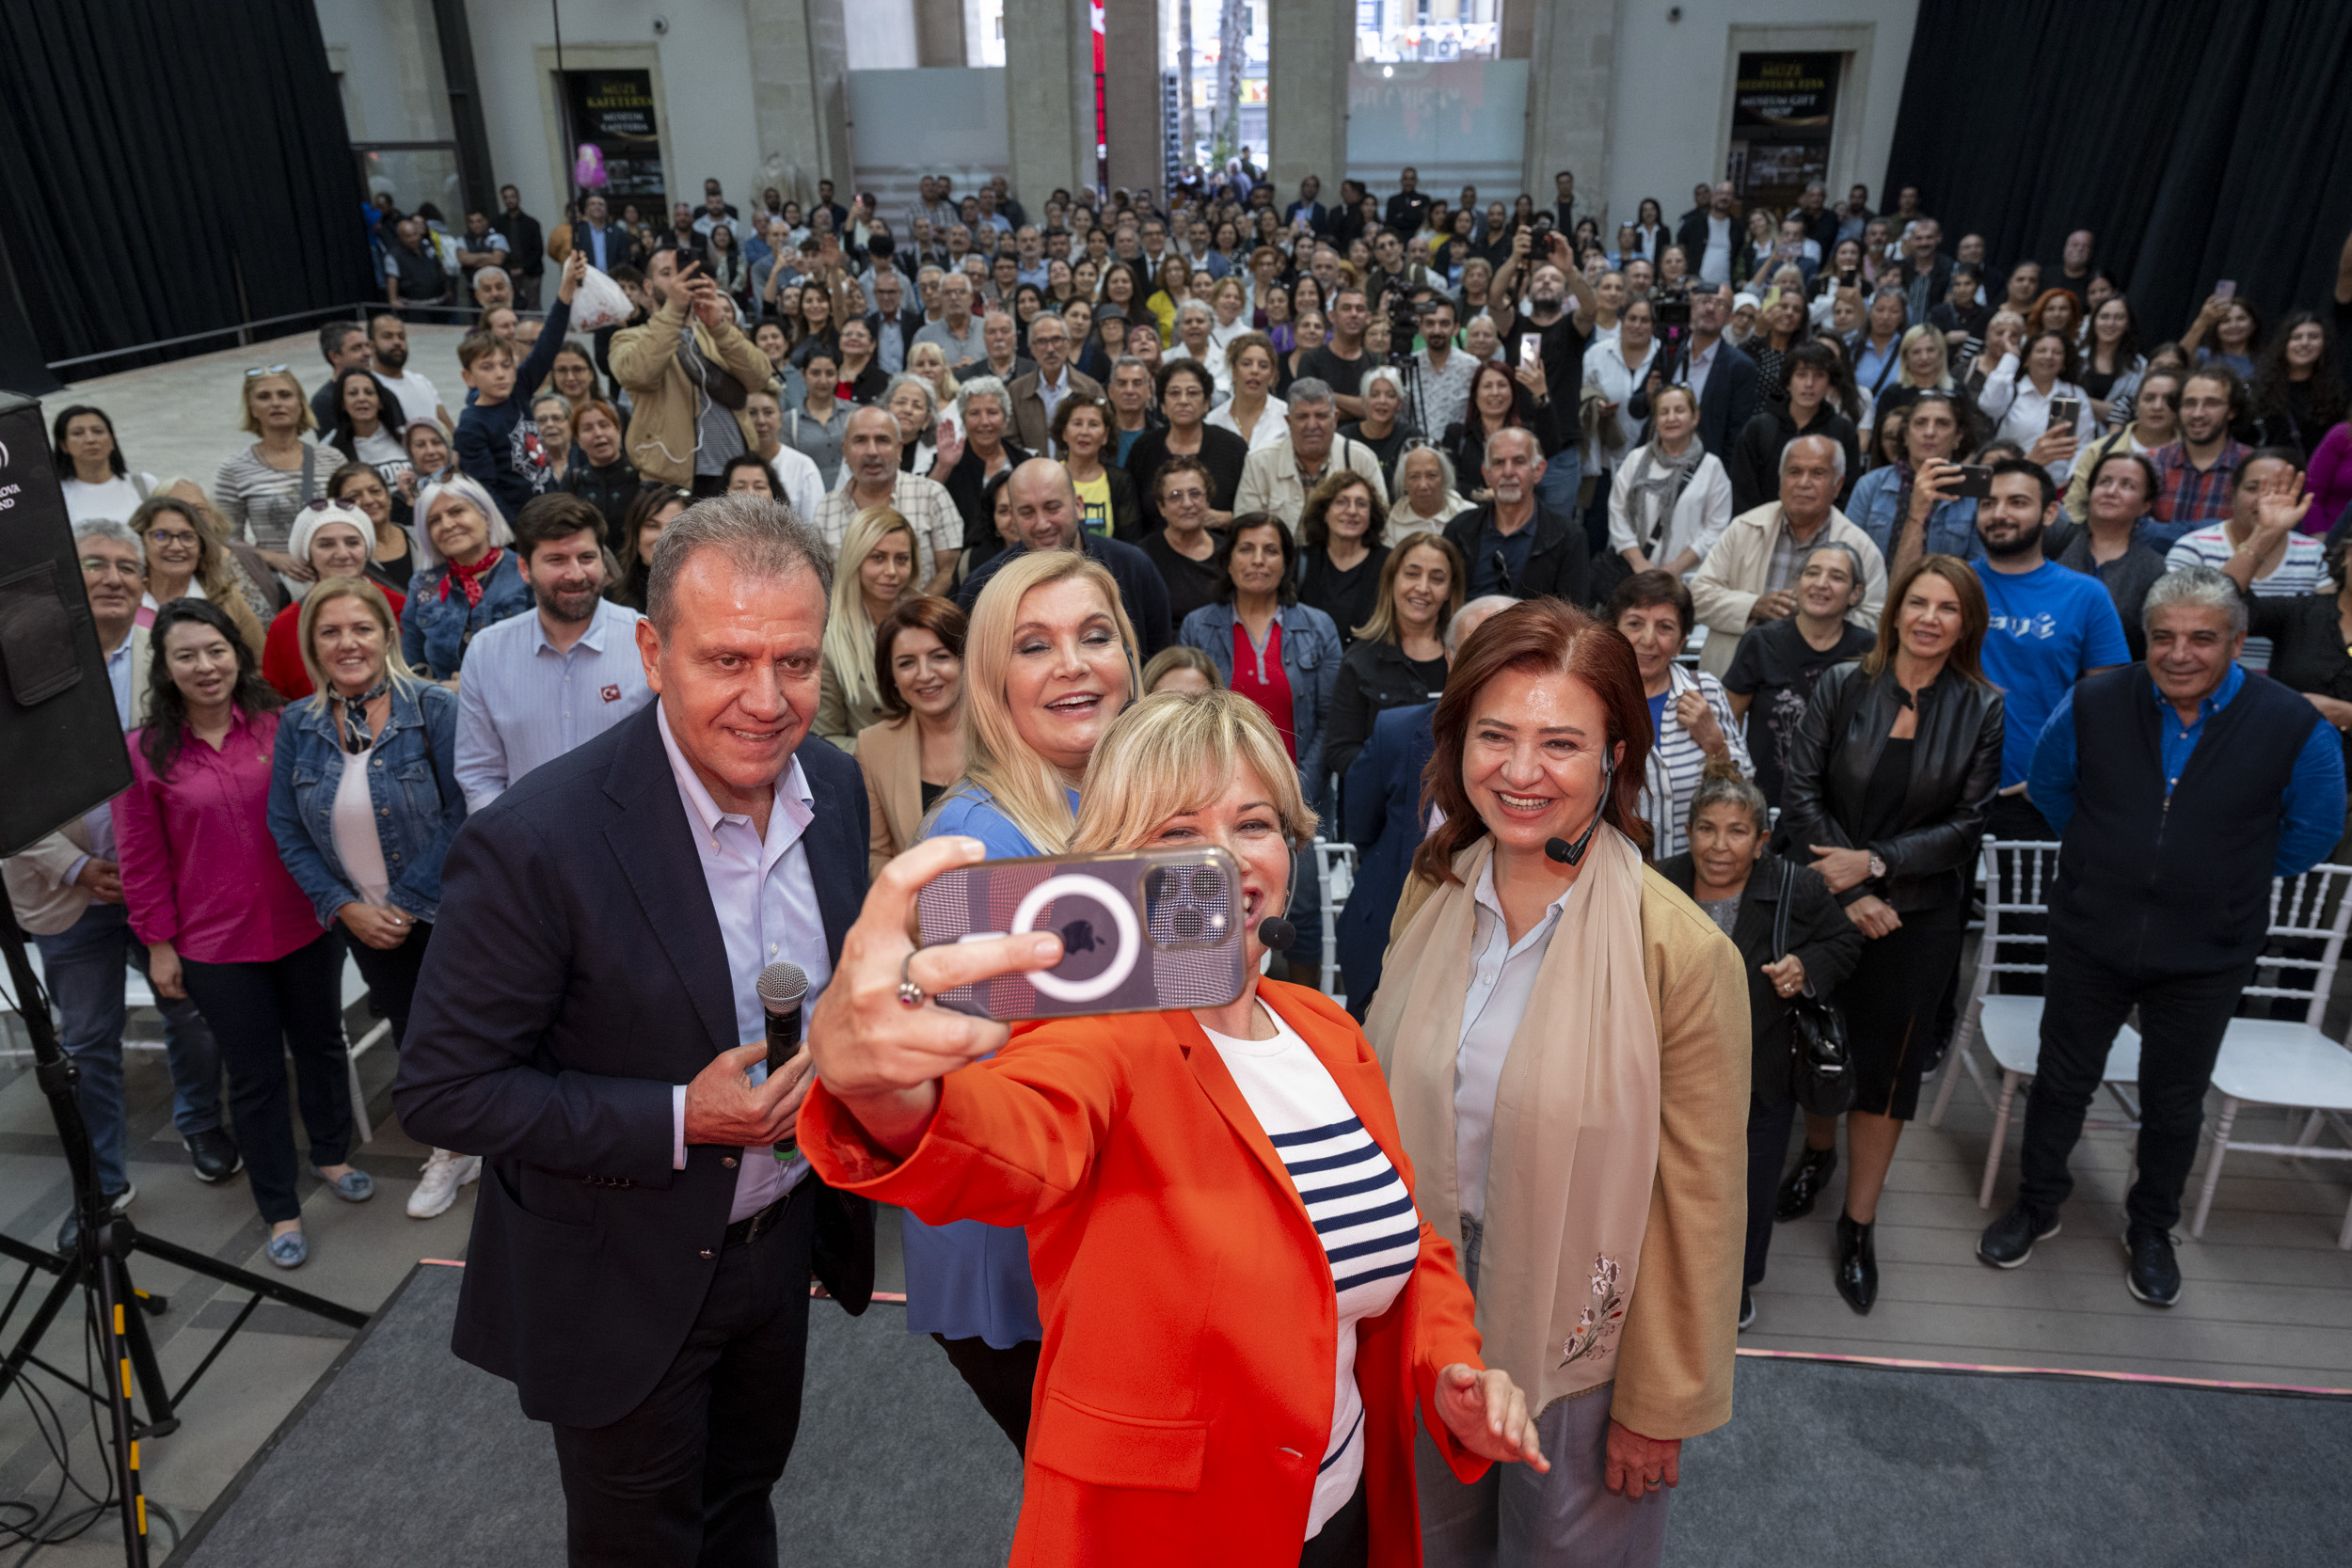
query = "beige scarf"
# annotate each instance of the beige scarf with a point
(1576, 1117)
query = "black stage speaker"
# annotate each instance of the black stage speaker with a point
(61, 748)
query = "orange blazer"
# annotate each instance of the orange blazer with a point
(1183, 1393)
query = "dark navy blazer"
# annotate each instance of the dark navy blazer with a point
(1383, 819)
(577, 974)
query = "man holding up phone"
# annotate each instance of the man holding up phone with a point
(591, 1026)
(690, 371)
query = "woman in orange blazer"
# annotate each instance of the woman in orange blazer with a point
(1236, 1348)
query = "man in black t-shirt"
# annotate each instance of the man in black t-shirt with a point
(1342, 361)
(1772, 677)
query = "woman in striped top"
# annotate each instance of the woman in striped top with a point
(1242, 1306)
(1689, 713)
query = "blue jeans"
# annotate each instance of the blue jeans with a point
(84, 965)
(1564, 474)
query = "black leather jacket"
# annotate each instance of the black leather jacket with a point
(1954, 770)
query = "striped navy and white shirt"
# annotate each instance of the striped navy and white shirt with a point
(1676, 760)
(1360, 1208)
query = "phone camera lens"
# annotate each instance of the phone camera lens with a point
(1188, 924)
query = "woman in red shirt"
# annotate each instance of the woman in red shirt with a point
(223, 922)
(338, 542)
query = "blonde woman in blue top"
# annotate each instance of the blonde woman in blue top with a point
(1049, 662)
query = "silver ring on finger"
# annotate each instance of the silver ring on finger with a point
(909, 994)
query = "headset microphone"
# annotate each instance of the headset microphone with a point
(1275, 932)
(1560, 849)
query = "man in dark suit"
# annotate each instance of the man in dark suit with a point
(1046, 515)
(1716, 225)
(527, 250)
(893, 321)
(608, 244)
(644, 1238)
(1318, 216)
(1726, 379)
(1515, 545)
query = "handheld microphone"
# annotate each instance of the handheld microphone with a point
(780, 986)
(1274, 931)
(1560, 850)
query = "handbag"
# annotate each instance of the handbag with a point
(1821, 1068)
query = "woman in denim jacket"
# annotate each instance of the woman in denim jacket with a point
(1283, 656)
(466, 578)
(363, 803)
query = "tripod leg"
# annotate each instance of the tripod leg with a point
(161, 1421)
(29, 1343)
(114, 1315)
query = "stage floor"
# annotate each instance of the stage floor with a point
(1828, 1465)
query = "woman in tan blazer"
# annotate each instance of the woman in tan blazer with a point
(910, 758)
(1566, 1038)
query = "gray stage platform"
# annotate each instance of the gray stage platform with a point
(405, 1455)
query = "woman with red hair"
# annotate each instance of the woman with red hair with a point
(1566, 1038)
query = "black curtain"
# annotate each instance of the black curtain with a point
(2196, 140)
(171, 168)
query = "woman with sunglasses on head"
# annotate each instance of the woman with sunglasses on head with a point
(224, 923)
(261, 488)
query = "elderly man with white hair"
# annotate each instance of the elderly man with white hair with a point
(870, 444)
(1278, 479)
(1750, 575)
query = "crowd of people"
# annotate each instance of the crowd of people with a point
(1783, 557)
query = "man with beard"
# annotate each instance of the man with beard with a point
(538, 686)
(2050, 628)
(387, 345)
(687, 371)
(1565, 327)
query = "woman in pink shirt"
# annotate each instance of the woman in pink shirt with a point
(223, 922)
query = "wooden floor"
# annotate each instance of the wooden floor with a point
(2266, 1295)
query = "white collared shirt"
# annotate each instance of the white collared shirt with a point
(766, 901)
(1502, 978)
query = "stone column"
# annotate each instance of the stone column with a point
(1131, 94)
(800, 94)
(939, 33)
(1049, 97)
(1311, 47)
(1568, 97)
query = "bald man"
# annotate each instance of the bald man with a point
(1046, 516)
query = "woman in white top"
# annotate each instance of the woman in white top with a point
(1252, 412)
(368, 421)
(930, 361)
(1193, 321)
(2018, 398)
(1228, 301)
(90, 470)
(1425, 498)
(1618, 364)
(1671, 500)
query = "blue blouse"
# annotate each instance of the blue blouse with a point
(966, 1281)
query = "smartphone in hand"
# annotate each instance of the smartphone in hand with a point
(1976, 483)
(1145, 930)
(1531, 348)
(2226, 290)
(2064, 413)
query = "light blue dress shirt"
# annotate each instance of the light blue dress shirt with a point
(766, 902)
(523, 703)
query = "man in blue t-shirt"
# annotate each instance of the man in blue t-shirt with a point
(2050, 628)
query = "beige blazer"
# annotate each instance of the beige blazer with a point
(1682, 1332)
(1032, 428)
(890, 755)
(662, 434)
(1726, 586)
(45, 901)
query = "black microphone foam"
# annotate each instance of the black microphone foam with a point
(1276, 933)
(1562, 850)
(780, 986)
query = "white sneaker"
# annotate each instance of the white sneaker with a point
(444, 1173)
